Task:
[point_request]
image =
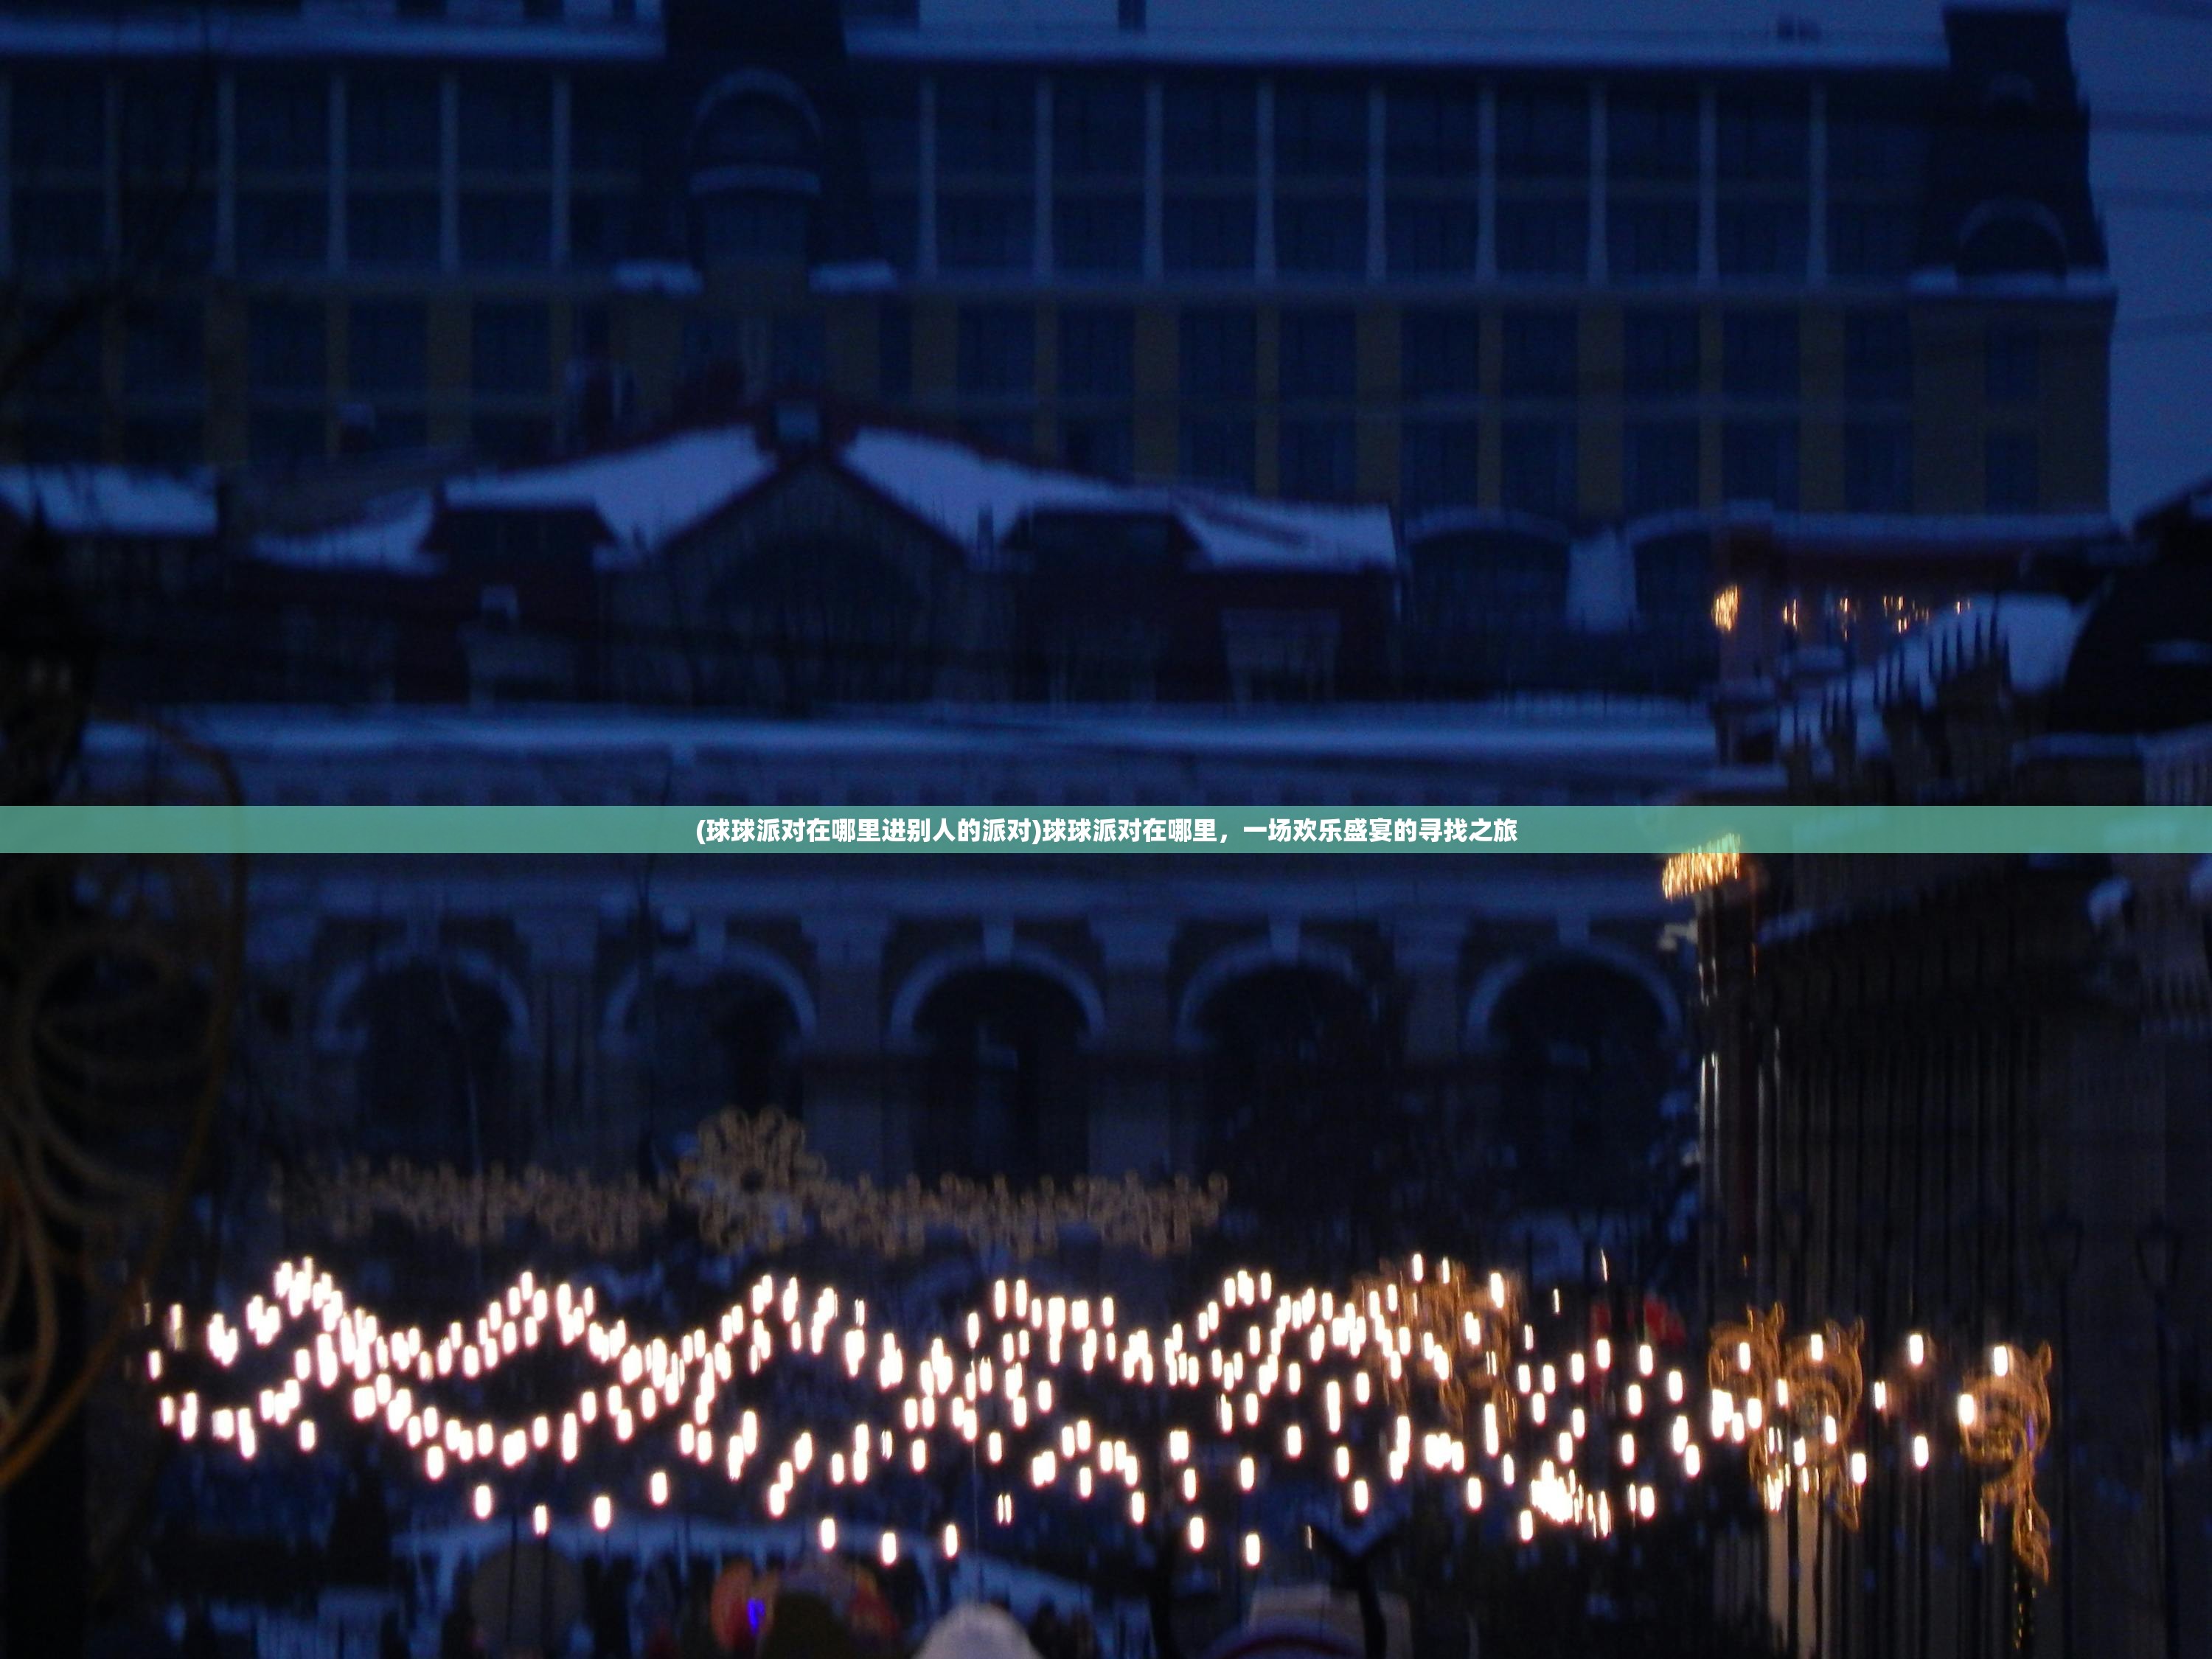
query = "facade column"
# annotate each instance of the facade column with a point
(449, 171)
(1264, 171)
(337, 182)
(226, 175)
(1709, 167)
(1378, 181)
(1134, 1075)
(1155, 168)
(563, 150)
(1485, 187)
(7, 164)
(924, 252)
(1043, 259)
(1816, 234)
(851, 1119)
(1597, 177)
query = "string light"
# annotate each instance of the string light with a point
(1428, 1370)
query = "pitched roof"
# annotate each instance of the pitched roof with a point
(649, 494)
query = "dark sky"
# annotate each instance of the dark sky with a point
(2153, 57)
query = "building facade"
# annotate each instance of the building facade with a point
(1454, 1022)
(1964, 1097)
(1509, 278)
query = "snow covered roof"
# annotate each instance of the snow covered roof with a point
(644, 496)
(1880, 35)
(650, 493)
(1673, 740)
(1884, 535)
(968, 496)
(1884, 34)
(2034, 632)
(587, 30)
(109, 500)
(387, 536)
(976, 500)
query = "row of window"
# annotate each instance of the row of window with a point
(1218, 359)
(1663, 353)
(285, 230)
(1539, 467)
(1539, 470)
(281, 120)
(388, 350)
(986, 123)
(1323, 128)
(1216, 233)
(1317, 354)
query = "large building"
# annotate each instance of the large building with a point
(1512, 270)
(1964, 1097)
(1450, 1023)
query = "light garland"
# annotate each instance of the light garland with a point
(1259, 1379)
(1702, 868)
(1417, 1375)
(756, 1187)
(1796, 1407)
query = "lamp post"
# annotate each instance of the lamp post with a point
(2061, 1255)
(1793, 1218)
(2158, 1257)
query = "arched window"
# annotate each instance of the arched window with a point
(1297, 1091)
(1003, 1082)
(709, 1043)
(2012, 239)
(1584, 1062)
(435, 1080)
(754, 172)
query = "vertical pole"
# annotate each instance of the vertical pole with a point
(2168, 1525)
(2066, 1465)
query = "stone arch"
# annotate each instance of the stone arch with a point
(340, 994)
(755, 165)
(1003, 1083)
(2012, 236)
(1583, 1048)
(763, 88)
(1497, 981)
(701, 1032)
(1298, 1086)
(1255, 956)
(934, 970)
(736, 959)
(435, 1039)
